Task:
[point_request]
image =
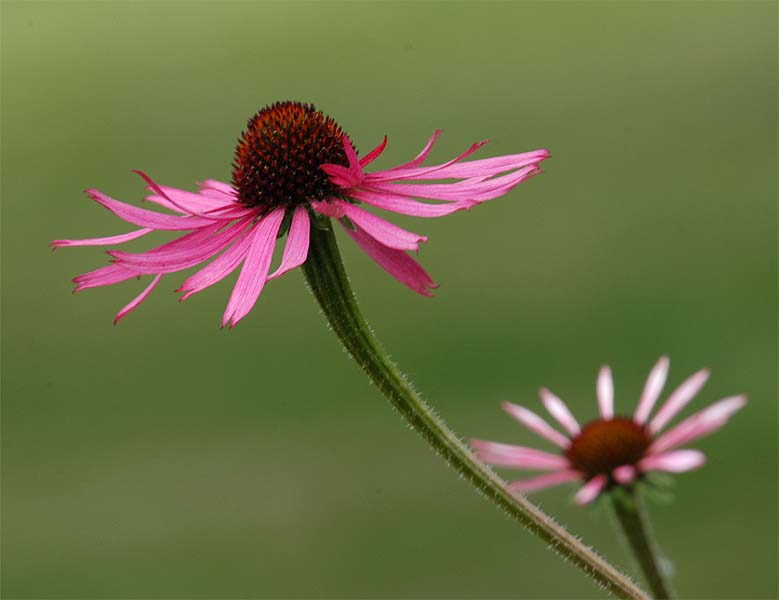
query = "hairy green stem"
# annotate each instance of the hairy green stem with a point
(327, 279)
(634, 524)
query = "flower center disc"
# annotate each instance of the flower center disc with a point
(604, 445)
(278, 158)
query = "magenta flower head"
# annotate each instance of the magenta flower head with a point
(294, 166)
(612, 450)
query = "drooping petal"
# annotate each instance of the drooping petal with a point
(395, 262)
(296, 250)
(678, 400)
(624, 474)
(103, 276)
(676, 461)
(102, 241)
(147, 218)
(605, 390)
(546, 480)
(652, 389)
(518, 457)
(422, 156)
(700, 424)
(220, 267)
(254, 272)
(382, 231)
(590, 490)
(536, 424)
(136, 302)
(559, 411)
(182, 253)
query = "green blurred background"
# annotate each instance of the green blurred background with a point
(168, 458)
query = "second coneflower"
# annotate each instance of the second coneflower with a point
(293, 165)
(611, 450)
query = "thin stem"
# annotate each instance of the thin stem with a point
(327, 279)
(634, 522)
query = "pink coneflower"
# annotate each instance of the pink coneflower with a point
(612, 450)
(294, 165)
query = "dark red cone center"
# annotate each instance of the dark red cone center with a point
(604, 445)
(278, 158)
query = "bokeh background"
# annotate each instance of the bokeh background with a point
(167, 458)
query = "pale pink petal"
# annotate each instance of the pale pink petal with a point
(605, 389)
(147, 218)
(296, 250)
(700, 424)
(382, 231)
(678, 400)
(102, 241)
(255, 268)
(395, 262)
(676, 461)
(559, 411)
(625, 474)
(518, 457)
(220, 267)
(225, 188)
(652, 388)
(107, 275)
(136, 302)
(546, 480)
(407, 206)
(373, 154)
(536, 424)
(590, 490)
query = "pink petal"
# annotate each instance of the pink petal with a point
(255, 268)
(332, 207)
(401, 172)
(382, 231)
(424, 153)
(678, 400)
(485, 167)
(559, 411)
(518, 457)
(625, 474)
(395, 262)
(181, 253)
(543, 481)
(147, 218)
(700, 424)
(605, 389)
(652, 388)
(536, 424)
(102, 241)
(107, 275)
(373, 154)
(136, 302)
(220, 267)
(590, 490)
(224, 188)
(676, 461)
(296, 250)
(406, 206)
(476, 189)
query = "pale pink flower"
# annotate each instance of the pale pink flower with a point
(293, 163)
(612, 450)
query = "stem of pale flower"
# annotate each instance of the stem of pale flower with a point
(327, 279)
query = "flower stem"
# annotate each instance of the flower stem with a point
(327, 279)
(634, 522)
